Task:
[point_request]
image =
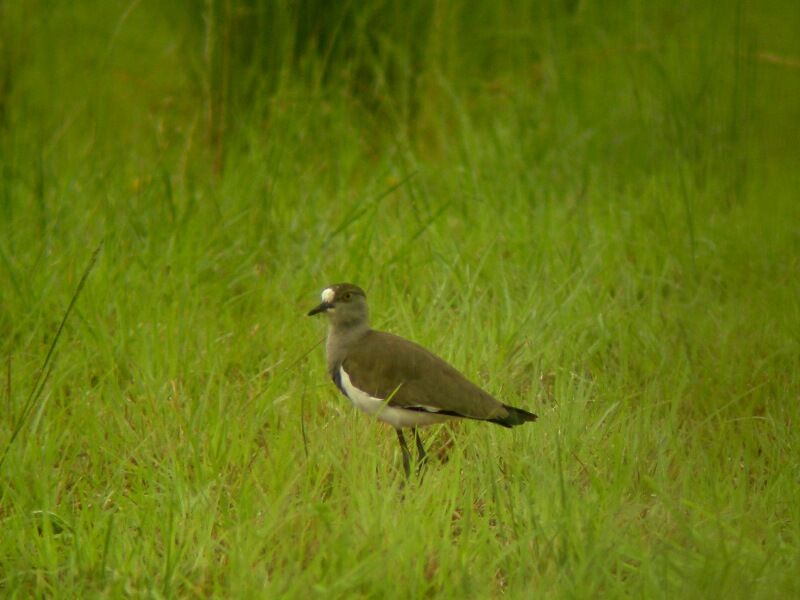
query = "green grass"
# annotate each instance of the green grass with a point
(591, 211)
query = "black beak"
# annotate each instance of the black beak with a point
(321, 308)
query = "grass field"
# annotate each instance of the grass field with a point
(591, 210)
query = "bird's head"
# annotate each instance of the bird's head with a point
(345, 305)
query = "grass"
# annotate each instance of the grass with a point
(591, 212)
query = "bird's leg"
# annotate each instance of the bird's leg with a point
(406, 453)
(422, 455)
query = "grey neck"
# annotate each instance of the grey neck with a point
(341, 338)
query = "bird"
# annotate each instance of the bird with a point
(396, 380)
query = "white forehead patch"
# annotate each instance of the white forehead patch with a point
(328, 295)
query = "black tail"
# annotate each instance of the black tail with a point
(516, 416)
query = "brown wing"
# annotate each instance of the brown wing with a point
(385, 365)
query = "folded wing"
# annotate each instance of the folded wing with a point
(387, 366)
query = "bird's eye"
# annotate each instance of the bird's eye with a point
(347, 297)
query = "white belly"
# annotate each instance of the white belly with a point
(394, 416)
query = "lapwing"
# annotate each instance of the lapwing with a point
(397, 381)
